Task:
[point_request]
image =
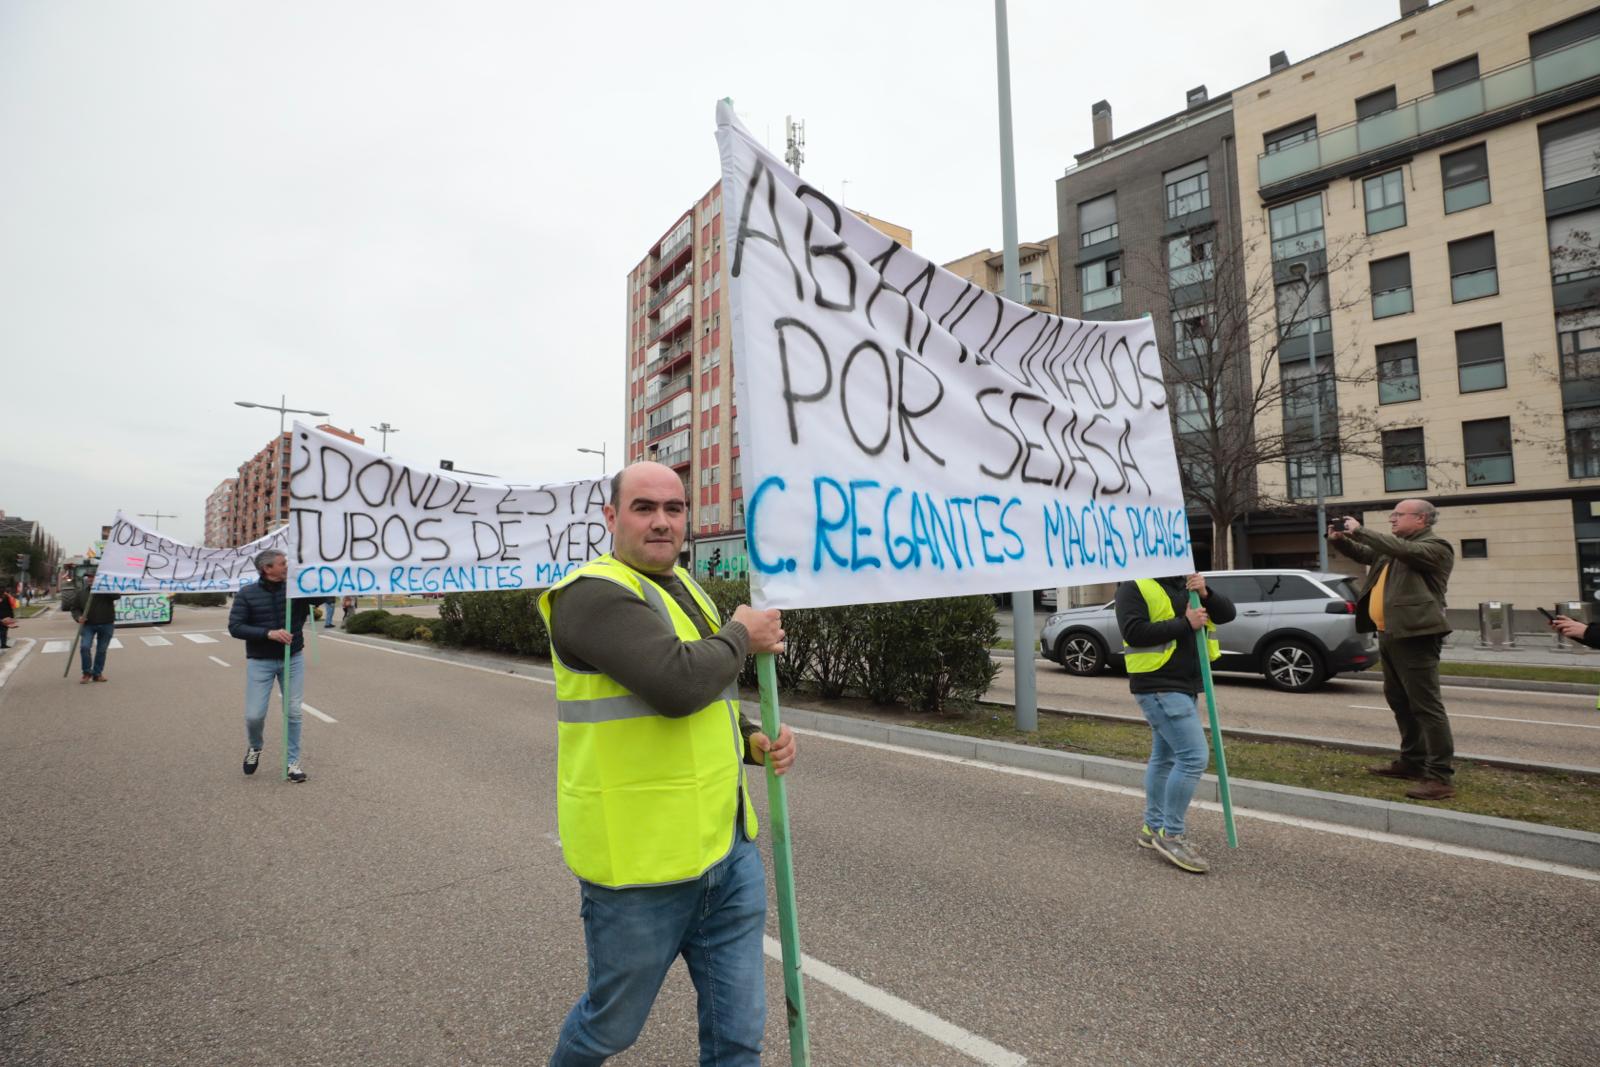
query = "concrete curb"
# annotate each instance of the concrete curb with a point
(1572, 848)
(1306, 739)
(1371, 678)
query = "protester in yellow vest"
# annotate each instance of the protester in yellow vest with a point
(653, 804)
(1158, 628)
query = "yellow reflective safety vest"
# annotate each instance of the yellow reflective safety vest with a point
(643, 799)
(1144, 660)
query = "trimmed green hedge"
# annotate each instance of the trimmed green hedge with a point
(505, 621)
(367, 622)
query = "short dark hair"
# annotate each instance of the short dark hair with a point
(616, 488)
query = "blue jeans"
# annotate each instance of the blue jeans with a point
(1178, 758)
(632, 935)
(99, 634)
(259, 675)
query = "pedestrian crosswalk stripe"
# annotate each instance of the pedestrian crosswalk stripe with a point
(57, 646)
(115, 643)
(201, 639)
(155, 641)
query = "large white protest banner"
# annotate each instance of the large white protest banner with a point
(362, 522)
(906, 434)
(138, 559)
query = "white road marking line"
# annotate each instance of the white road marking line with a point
(218, 662)
(1250, 813)
(1525, 693)
(445, 662)
(155, 642)
(9, 664)
(56, 646)
(325, 718)
(946, 1033)
(115, 642)
(200, 638)
(1497, 718)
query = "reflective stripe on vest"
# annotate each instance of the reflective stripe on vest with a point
(1153, 658)
(643, 799)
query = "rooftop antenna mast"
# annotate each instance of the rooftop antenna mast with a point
(795, 136)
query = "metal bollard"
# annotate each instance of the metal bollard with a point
(1486, 610)
(1508, 625)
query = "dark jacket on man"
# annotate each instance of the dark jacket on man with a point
(1419, 573)
(1181, 673)
(258, 610)
(102, 606)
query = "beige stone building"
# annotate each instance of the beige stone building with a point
(678, 392)
(1038, 271)
(1426, 199)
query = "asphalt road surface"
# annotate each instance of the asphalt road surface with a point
(1505, 722)
(408, 904)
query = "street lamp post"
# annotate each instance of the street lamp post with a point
(385, 429)
(1298, 270)
(601, 452)
(283, 410)
(157, 515)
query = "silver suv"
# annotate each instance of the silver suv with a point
(1295, 628)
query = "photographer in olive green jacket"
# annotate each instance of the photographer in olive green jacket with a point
(1403, 600)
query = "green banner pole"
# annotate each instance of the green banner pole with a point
(283, 687)
(1204, 653)
(77, 642)
(783, 872)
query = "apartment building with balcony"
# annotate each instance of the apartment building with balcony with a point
(1458, 148)
(219, 514)
(678, 391)
(1038, 272)
(259, 501)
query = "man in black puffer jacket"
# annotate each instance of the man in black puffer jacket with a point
(257, 619)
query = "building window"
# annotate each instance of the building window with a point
(1293, 134)
(1375, 104)
(1397, 373)
(1097, 220)
(1386, 202)
(1188, 189)
(1302, 396)
(1405, 464)
(1578, 336)
(1583, 442)
(1569, 148)
(1191, 408)
(1451, 75)
(1474, 548)
(1296, 228)
(1190, 260)
(1303, 476)
(1303, 307)
(1472, 268)
(1562, 34)
(1391, 286)
(1487, 444)
(1191, 331)
(1481, 359)
(1575, 247)
(1466, 178)
(1101, 283)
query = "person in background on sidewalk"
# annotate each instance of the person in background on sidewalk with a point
(97, 614)
(8, 619)
(349, 608)
(652, 800)
(1163, 664)
(1403, 600)
(257, 619)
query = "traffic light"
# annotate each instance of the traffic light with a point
(714, 564)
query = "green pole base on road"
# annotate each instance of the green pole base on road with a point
(283, 683)
(783, 873)
(1204, 653)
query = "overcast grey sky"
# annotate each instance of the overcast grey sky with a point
(425, 212)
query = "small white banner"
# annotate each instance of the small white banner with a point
(362, 522)
(906, 434)
(144, 609)
(137, 559)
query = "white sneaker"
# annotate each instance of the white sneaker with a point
(295, 773)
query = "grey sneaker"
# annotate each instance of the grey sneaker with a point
(252, 760)
(1146, 837)
(295, 773)
(1177, 850)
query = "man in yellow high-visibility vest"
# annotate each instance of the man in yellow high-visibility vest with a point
(654, 809)
(1158, 627)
